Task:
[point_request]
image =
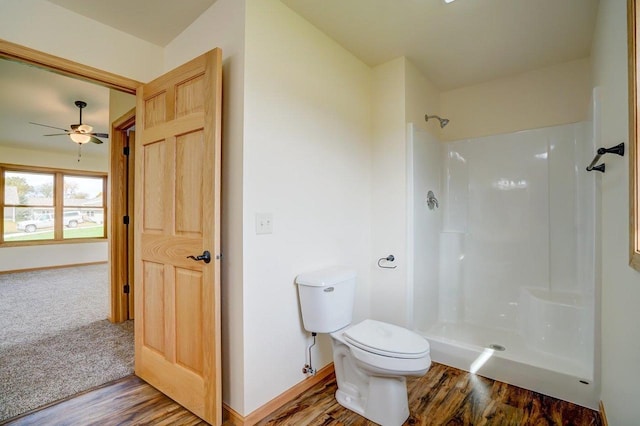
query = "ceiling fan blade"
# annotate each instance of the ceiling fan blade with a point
(57, 134)
(95, 140)
(45, 125)
(100, 135)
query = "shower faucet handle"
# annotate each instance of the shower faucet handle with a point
(432, 201)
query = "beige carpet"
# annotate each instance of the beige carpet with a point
(55, 340)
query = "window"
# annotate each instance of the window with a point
(634, 121)
(47, 205)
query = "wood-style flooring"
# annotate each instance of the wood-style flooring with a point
(128, 401)
(444, 396)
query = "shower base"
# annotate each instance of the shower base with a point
(462, 345)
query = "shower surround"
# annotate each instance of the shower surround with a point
(502, 274)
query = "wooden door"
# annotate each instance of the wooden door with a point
(177, 214)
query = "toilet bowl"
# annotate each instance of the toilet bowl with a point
(371, 358)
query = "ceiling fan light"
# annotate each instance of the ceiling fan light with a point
(85, 128)
(79, 138)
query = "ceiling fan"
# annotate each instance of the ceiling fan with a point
(79, 133)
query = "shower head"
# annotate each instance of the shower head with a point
(443, 121)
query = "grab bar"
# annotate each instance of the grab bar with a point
(618, 149)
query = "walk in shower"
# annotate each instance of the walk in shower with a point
(501, 242)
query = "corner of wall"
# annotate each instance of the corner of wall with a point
(620, 283)
(421, 97)
(512, 103)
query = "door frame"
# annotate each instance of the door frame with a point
(120, 234)
(19, 53)
(66, 67)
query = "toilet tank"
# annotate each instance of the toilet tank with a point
(326, 298)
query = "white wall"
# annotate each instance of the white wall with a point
(17, 258)
(49, 28)
(558, 94)
(388, 192)
(620, 283)
(307, 152)
(28, 157)
(222, 25)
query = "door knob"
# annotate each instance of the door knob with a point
(206, 256)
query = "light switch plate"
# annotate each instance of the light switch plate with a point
(264, 223)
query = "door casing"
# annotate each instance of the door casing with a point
(120, 234)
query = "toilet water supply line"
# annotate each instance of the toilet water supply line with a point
(308, 369)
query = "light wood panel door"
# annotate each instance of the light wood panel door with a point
(177, 214)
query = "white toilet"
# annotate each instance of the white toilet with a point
(371, 358)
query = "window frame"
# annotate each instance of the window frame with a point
(58, 206)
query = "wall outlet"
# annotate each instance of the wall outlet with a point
(264, 223)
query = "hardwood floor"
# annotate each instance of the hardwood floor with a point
(128, 401)
(444, 396)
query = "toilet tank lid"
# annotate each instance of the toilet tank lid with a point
(326, 277)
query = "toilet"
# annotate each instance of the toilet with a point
(371, 358)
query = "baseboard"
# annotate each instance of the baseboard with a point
(41, 268)
(603, 415)
(232, 417)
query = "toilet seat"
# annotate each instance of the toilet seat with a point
(387, 340)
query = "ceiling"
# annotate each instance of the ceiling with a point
(169, 17)
(29, 93)
(461, 43)
(454, 45)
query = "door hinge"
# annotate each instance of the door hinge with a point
(126, 289)
(125, 220)
(125, 150)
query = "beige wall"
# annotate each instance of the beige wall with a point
(620, 283)
(307, 133)
(119, 104)
(545, 97)
(44, 26)
(388, 191)
(421, 97)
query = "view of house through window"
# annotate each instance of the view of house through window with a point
(52, 205)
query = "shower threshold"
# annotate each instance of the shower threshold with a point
(477, 349)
